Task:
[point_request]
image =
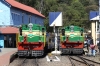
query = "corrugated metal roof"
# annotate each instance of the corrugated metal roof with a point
(24, 7)
(9, 30)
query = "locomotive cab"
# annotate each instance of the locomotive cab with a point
(63, 32)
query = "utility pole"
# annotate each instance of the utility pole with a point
(41, 6)
(99, 19)
(97, 24)
(99, 14)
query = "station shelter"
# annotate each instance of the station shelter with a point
(8, 37)
(12, 15)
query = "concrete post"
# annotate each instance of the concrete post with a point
(96, 31)
(93, 31)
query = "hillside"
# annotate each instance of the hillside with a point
(74, 11)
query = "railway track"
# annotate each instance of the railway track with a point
(21, 64)
(25, 62)
(80, 61)
(91, 61)
(76, 62)
(36, 62)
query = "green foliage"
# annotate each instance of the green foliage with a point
(74, 11)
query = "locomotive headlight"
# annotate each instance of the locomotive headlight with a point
(30, 25)
(24, 35)
(39, 40)
(72, 28)
(22, 40)
(78, 41)
(65, 40)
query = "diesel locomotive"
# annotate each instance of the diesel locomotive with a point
(72, 40)
(31, 40)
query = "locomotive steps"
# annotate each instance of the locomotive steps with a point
(13, 57)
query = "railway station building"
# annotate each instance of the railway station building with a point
(12, 15)
(95, 30)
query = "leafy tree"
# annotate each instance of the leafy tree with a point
(74, 11)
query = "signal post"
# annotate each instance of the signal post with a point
(55, 21)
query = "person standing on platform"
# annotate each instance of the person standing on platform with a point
(92, 48)
(10, 42)
(88, 43)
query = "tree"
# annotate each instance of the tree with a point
(73, 11)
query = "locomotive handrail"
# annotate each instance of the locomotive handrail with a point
(25, 39)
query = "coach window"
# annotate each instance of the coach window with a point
(12, 16)
(18, 17)
(23, 18)
(35, 20)
(29, 18)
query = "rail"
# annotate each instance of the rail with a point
(89, 60)
(83, 61)
(22, 62)
(36, 62)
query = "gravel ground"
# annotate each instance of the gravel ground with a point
(64, 61)
(96, 58)
(43, 62)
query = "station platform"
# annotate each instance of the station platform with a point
(5, 55)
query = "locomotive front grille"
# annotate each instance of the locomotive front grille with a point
(66, 51)
(23, 53)
(72, 50)
(37, 52)
(77, 51)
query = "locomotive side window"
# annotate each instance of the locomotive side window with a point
(42, 31)
(20, 29)
(63, 32)
(68, 27)
(81, 32)
(26, 26)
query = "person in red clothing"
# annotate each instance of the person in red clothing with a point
(92, 48)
